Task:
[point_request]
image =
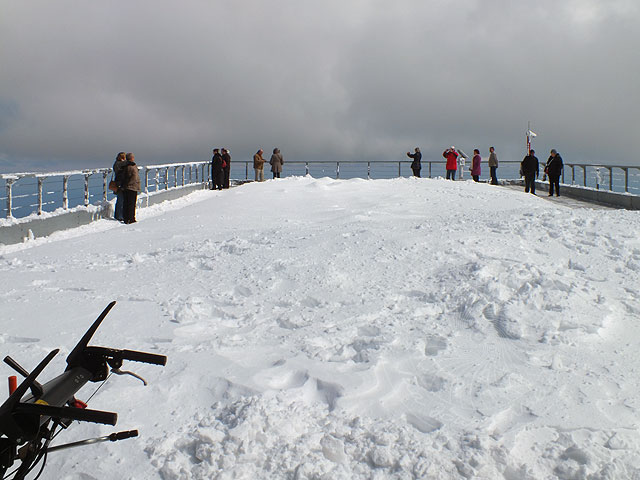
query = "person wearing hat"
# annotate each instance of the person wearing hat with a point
(416, 166)
(452, 162)
(554, 170)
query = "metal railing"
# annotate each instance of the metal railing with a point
(29, 193)
(615, 178)
(346, 168)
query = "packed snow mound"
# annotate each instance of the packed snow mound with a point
(328, 329)
(272, 436)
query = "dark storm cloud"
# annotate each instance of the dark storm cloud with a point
(168, 80)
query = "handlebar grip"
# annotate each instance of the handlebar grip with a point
(80, 414)
(114, 437)
(144, 357)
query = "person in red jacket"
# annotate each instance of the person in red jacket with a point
(452, 162)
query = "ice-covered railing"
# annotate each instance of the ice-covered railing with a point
(615, 178)
(29, 193)
(377, 169)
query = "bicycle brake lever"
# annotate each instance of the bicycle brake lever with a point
(117, 371)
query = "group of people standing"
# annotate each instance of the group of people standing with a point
(127, 181)
(452, 154)
(530, 169)
(220, 168)
(276, 163)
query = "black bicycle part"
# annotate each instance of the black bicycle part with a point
(36, 388)
(114, 437)
(28, 421)
(21, 429)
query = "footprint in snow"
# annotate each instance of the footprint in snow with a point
(281, 379)
(21, 340)
(368, 331)
(431, 382)
(505, 327)
(311, 302)
(329, 393)
(435, 344)
(423, 423)
(242, 291)
(287, 323)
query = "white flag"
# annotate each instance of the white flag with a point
(531, 134)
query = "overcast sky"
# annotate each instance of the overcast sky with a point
(320, 79)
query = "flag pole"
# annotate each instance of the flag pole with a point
(528, 139)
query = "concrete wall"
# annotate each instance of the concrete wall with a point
(620, 200)
(605, 197)
(171, 194)
(42, 227)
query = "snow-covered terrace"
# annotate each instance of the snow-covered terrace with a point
(322, 328)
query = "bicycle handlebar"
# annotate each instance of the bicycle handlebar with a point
(71, 413)
(95, 360)
(144, 357)
(32, 420)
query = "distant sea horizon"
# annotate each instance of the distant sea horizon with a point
(42, 167)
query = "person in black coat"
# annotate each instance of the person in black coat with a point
(416, 166)
(531, 170)
(226, 167)
(131, 187)
(217, 171)
(554, 170)
(118, 175)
